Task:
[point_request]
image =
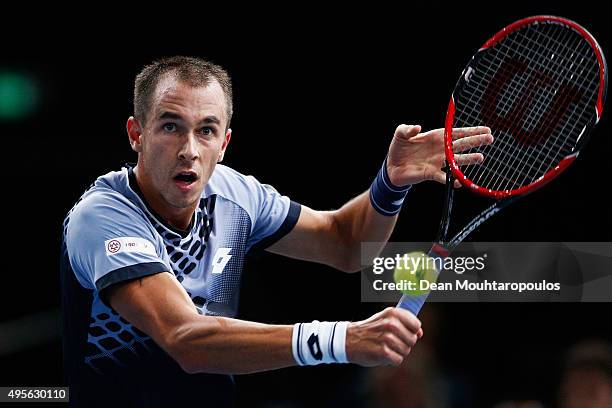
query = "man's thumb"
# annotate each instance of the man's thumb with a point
(407, 131)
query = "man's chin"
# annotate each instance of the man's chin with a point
(184, 200)
(187, 202)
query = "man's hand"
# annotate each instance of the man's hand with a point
(415, 157)
(383, 339)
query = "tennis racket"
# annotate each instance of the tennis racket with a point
(539, 85)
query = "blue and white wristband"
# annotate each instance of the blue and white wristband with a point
(385, 197)
(319, 342)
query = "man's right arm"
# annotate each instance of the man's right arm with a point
(159, 306)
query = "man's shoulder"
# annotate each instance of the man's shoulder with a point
(231, 185)
(107, 195)
(223, 175)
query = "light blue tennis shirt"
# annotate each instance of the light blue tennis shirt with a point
(112, 236)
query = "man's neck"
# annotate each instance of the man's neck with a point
(178, 218)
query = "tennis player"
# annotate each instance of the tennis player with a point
(153, 254)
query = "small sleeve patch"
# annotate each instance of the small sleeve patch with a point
(129, 244)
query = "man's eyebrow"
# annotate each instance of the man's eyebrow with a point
(175, 116)
(211, 119)
(169, 115)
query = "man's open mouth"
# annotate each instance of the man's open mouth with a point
(187, 177)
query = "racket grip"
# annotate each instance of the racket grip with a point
(414, 303)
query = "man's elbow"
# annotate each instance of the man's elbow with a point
(179, 352)
(349, 262)
(345, 250)
(347, 257)
(352, 268)
(187, 366)
(179, 344)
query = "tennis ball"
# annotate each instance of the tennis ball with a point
(415, 267)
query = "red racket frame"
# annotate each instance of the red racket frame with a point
(565, 162)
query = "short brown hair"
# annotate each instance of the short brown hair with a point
(194, 71)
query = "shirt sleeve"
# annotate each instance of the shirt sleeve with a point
(275, 215)
(109, 241)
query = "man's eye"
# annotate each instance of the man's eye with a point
(169, 127)
(207, 131)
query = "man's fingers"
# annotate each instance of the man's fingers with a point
(397, 328)
(470, 158)
(392, 356)
(420, 333)
(440, 177)
(459, 133)
(409, 320)
(385, 338)
(395, 344)
(469, 142)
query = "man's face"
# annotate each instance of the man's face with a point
(181, 142)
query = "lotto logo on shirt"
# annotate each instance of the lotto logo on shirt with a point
(221, 259)
(128, 244)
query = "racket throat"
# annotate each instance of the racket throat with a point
(439, 250)
(448, 206)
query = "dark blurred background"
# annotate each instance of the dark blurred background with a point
(318, 95)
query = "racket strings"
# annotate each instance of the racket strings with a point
(536, 115)
(546, 149)
(513, 164)
(536, 88)
(525, 170)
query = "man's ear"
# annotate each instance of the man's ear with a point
(228, 136)
(134, 131)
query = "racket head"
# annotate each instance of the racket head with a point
(539, 84)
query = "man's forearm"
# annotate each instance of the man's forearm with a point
(230, 346)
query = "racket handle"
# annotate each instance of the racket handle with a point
(414, 303)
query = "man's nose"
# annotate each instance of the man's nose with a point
(189, 149)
